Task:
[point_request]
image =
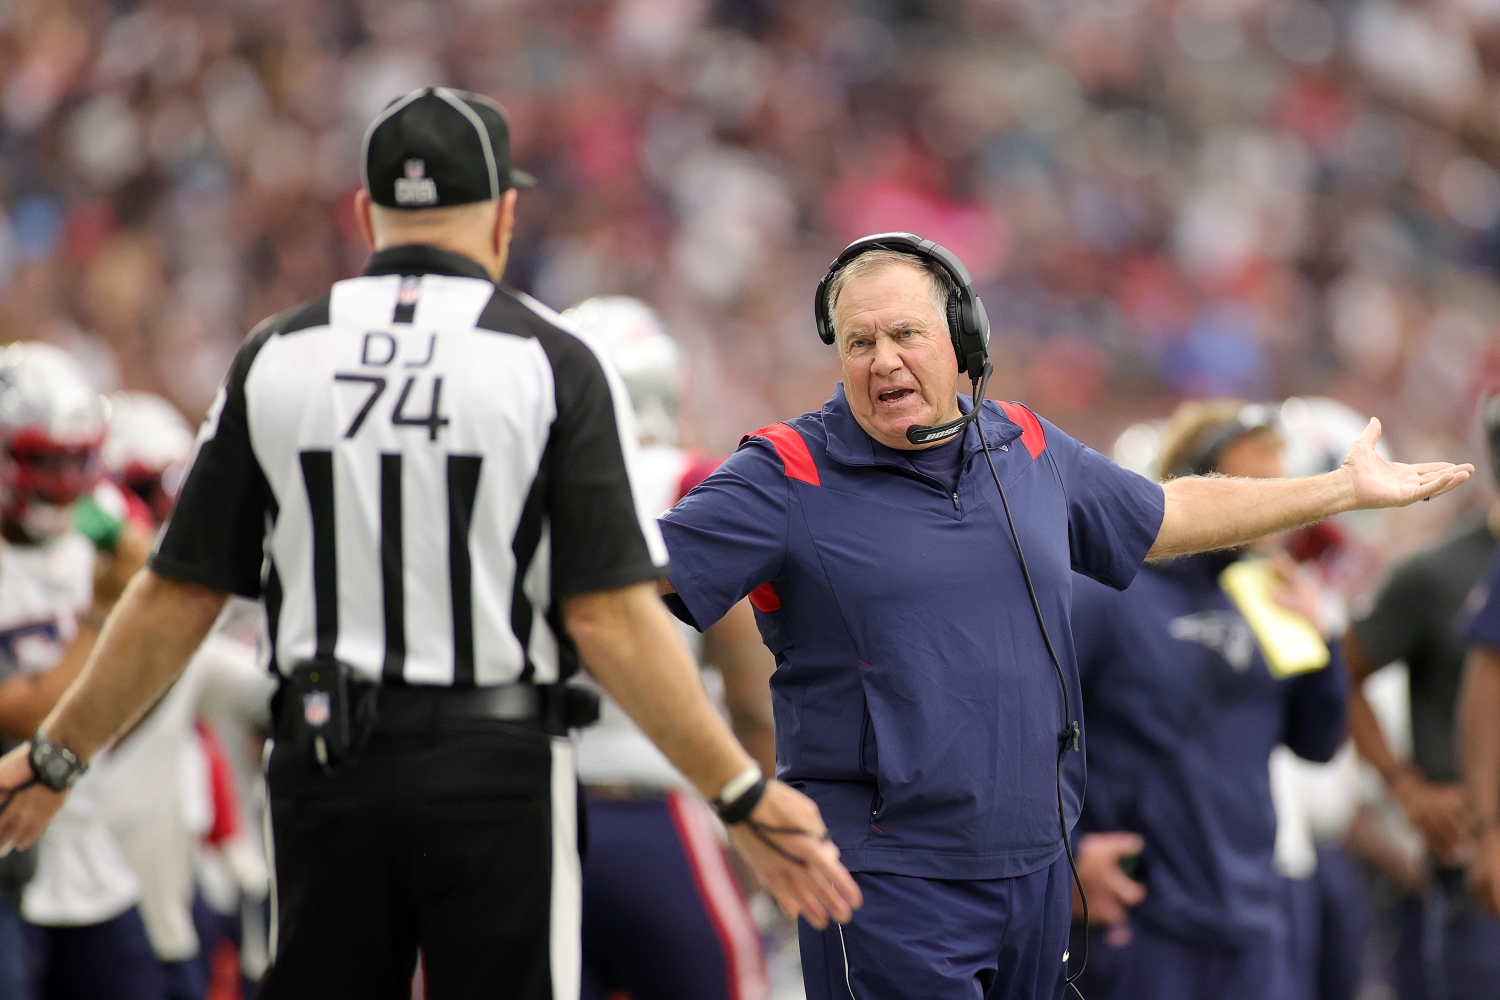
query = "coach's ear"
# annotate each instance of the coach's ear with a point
(362, 218)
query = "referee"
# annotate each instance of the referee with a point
(428, 483)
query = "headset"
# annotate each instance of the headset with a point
(968, 323)
(969, 328)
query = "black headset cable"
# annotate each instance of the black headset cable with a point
(1071, 734)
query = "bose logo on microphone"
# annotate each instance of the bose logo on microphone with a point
(927, 435)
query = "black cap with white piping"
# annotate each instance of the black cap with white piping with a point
(437, 147)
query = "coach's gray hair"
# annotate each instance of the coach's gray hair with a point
(940, 281)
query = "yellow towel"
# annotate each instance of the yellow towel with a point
(1291, 643)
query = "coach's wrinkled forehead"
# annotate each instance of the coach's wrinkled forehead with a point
(876, 259)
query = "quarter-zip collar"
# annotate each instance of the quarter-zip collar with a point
(849, 444)
(420, 258)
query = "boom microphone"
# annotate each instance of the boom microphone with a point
(920, 434)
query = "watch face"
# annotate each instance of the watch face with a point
(53, 765)
(57, 769)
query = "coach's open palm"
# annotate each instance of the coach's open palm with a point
(807, 879)
(1379, 482)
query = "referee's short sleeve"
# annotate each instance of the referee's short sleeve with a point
(216, 536)
(602, 539)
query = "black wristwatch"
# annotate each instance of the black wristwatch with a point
(55, 766)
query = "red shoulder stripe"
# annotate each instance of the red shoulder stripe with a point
(789, 445)
(764, 598)
(1032, 435)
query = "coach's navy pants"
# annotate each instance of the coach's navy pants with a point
(993, 939)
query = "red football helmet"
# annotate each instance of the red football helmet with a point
(51, 428)
(147, 449)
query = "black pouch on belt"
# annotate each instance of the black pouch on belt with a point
(332, 712)
(569, 706)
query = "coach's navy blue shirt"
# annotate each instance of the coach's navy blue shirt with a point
(1182, 715)
(914, 698)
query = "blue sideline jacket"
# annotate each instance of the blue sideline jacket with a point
(1182, 717)
(914, 699)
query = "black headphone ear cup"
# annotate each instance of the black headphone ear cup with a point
(955, 328)
(823, 321)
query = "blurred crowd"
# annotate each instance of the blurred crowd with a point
(1157, 199)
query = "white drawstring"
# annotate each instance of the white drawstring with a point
(844, 948)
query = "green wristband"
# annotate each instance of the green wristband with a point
(97, 524)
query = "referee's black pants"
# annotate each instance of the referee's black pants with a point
(458, 838)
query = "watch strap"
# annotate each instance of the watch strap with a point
(739, 797)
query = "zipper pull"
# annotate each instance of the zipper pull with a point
(955, 502)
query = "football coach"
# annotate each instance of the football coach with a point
(926, 693)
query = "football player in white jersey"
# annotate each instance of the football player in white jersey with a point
(663, 914)
(84, 930)
(159, 823)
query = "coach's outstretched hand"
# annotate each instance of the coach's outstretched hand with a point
(787, 844)
(1212, 513)
(25, 806)
(1379, 482)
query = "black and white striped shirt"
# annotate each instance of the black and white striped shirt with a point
(411, 471)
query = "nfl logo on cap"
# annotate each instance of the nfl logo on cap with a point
(416, 188)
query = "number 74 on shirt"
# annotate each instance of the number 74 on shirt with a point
(380, 350)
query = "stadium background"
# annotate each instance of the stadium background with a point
(1158, 200)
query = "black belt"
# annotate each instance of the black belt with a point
(555, 707)
(505, 702)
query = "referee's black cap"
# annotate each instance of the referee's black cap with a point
(437, 147)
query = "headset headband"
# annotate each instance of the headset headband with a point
(968, 323)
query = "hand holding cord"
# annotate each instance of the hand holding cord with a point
(738, 799)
